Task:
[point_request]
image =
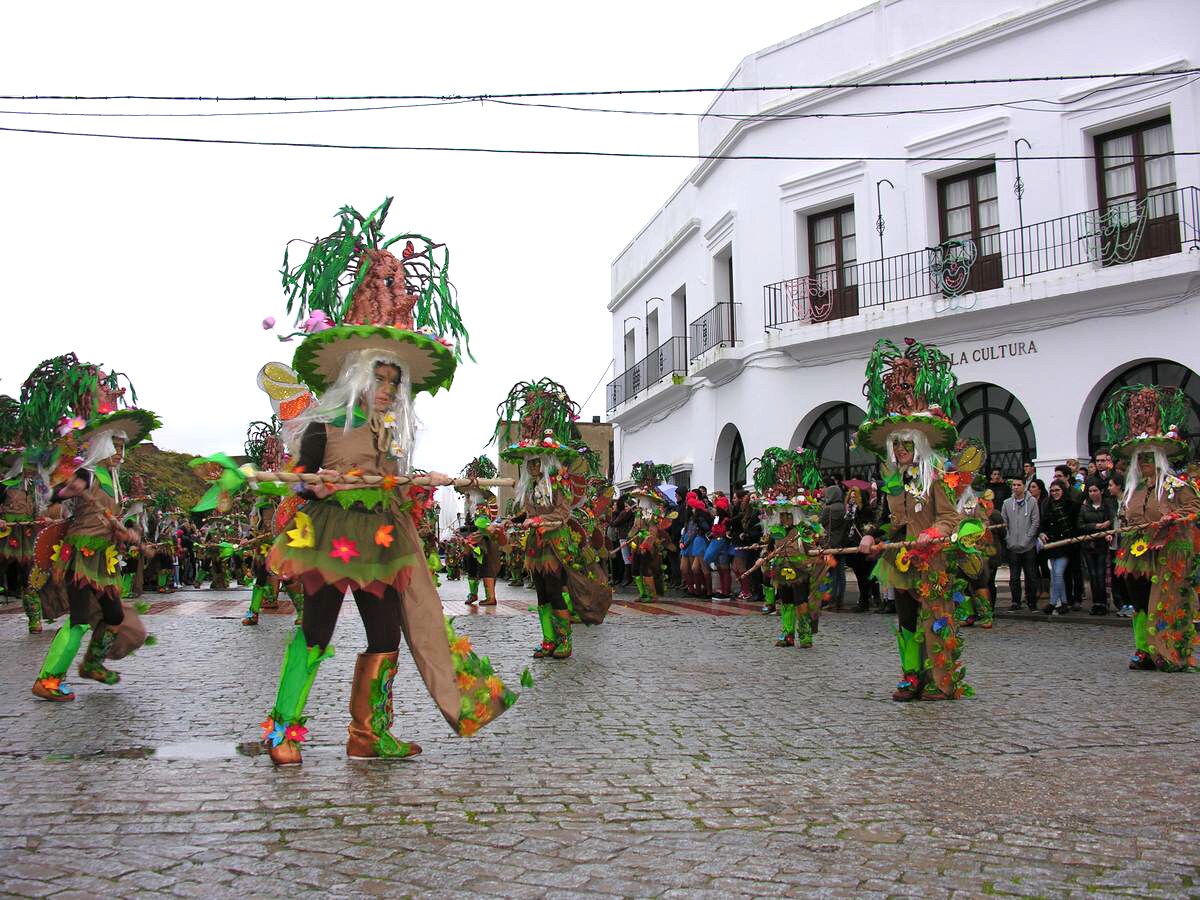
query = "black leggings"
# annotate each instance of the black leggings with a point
(907, 607)
(80, 600)
(794, 593)
(1138, 591)
(549, 587)
(380, 617)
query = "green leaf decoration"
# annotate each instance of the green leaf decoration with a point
(526, 678)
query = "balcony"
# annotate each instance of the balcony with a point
(669, 359)
(716, 328)
(1158, 225)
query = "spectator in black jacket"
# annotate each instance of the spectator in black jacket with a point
(1096, 513)
(1058, 523)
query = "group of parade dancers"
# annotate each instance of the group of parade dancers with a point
(338, 506)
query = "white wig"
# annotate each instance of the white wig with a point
(355, 385)
(926, 461)
(540, 493)
(99, 448)
(1133, 477)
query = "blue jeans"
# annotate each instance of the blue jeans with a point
(1058, 583)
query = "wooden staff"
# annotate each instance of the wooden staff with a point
(374, 480)
(1079, 539)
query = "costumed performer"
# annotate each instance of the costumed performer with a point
(537, 433)
(1158, 561)
(370, 347)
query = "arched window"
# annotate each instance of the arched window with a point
(830, 438)
(1161, 372)
(993, 415)
(737, 464)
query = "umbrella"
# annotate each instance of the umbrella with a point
(857, 483)
(670, 491)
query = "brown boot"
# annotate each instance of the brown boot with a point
(371, 710)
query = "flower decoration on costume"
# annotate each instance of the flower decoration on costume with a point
(5, 531)
(384, 536)
(787, 573)
(903, 560)
(1139, 547)
(110, 559)
(297, 733)
(88, 552)
(344, 549)
(302, 535)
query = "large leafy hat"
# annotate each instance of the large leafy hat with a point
(913, 389)
(787, 480)
(10, 424)
(1146, 417)
(537, 418)
(647, 477)
(64, 396)
(479, 467)
(352, 293)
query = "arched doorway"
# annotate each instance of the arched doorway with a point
(831, 436)
(1161, 372)
(992, 415)
(729, 467)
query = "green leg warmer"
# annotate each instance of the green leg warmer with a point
(300, 664)
(256, 599)
(983, 606)
(93, 657)
(472, 588)
(560, 621)
(640, 582)
(964, 610)
(545, 616)
(1141, 639)
(910, 651)
(787, 620)
(62, 651)
(769, 595)
(32, 604)
(804, 628)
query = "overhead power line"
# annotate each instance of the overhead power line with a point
(618, 154)
(728, 89)
(1044, 105)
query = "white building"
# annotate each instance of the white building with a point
(744, 312)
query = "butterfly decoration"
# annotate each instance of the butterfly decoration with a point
(289, 397)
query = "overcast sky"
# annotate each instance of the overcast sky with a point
(161, 259)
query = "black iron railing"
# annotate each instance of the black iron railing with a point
(1157, 225)
(716, 328)
(669, 359)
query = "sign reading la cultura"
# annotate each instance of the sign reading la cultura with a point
(992, 353)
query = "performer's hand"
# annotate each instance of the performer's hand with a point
(868, 546)
(439, 479)
(923, 539)
(322, 489)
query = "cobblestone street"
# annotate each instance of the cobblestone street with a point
(673, 754)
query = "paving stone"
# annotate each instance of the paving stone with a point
(678, 754)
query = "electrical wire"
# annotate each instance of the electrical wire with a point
(735, 117)
(597, 387)
(1056, 105)
(727, 89)
(612, 154)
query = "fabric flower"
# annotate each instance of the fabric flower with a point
(903, 560)
(5, 531)
(787, 573)
(495, 686)
(465, 681)
(940, 624)
(389, 482)
(1139, 547)
(110, 559)
(467, 727)
(344, 549)
(317, 320)
(297, 733)
(268, 323)
(278, 735)
(267, 726)
(302, 535)
(461, 646)
(384, 536)
(88, 552)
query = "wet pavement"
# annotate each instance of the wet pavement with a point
(677, 753)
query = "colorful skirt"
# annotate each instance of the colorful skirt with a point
(354, 547)
(16, 542)
(91, 562)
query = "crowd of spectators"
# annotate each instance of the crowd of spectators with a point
(715, 539)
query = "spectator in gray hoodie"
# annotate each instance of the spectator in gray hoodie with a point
(1022, 526)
